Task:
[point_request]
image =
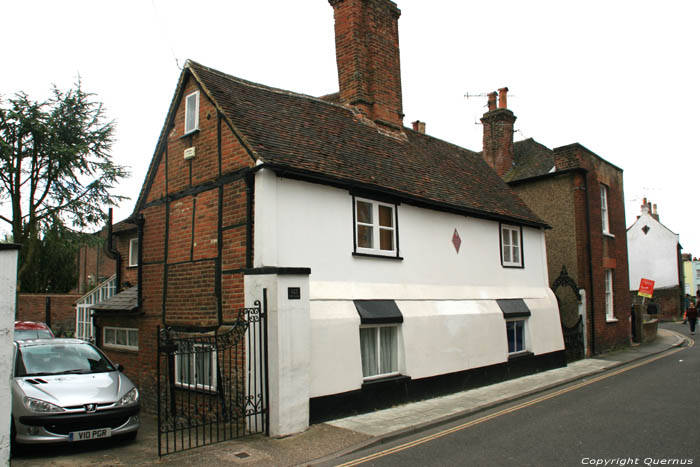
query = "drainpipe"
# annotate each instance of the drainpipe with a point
(112, 253)
(139, 281)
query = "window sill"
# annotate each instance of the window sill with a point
(369, 255)
(388, 380)
(513, 266)
(115, 348)
(519, 355)
(611, 320)
(608, 234)
(190, 133)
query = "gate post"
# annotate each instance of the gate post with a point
(289, 345)
(8, 300)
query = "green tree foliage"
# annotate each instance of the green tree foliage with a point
(54, 267)
(55, 170)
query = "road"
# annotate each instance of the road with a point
(644, 414)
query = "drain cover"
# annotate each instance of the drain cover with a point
(242, 455)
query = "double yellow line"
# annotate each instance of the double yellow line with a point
(515, 408)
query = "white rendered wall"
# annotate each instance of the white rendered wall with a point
(288, 349)
(8, 288)
(653, 255)
(451, 320)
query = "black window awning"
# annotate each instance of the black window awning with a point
(378, 311)
(513, 308)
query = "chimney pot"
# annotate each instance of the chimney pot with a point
(492, 100)
(419, 126)
(503, 98)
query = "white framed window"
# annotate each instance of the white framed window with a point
(511, 246)
(375, 228)
(379, 348)
(609, 315)
(192, 112)
(134, 252)
(604, 209)
(121, 338)
(515, 330)
(195, 367)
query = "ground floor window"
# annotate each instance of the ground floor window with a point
(515, 329)
(609, 315)
(195, 367)
(379, 347)
(124, 338)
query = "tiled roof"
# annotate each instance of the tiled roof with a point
(327, 141)
(126, 300)
(531, 159)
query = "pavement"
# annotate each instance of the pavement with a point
(326, 441)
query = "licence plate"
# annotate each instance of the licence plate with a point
(89, 434)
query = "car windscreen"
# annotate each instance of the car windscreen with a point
(60, 358)
(22, 334)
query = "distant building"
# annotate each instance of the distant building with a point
(655, 254)
(580, 195)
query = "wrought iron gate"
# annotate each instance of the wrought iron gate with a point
(212, 387)
(574, 335)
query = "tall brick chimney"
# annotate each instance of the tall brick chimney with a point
(498, 133)
(367, 53)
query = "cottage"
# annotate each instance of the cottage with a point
(655, 254)
(580, 195)
(390, 264)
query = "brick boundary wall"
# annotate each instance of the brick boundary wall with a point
(32, 307)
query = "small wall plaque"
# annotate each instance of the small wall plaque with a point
(189, 153)
(294, 293)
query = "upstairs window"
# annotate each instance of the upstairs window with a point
(192, 112)
(134, 252)
(375, 228)
(511, 246)
(604, 208)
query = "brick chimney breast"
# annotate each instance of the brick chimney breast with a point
(367, 54)
(498, 150)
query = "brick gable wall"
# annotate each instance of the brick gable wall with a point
(606, 252)
(195, 238)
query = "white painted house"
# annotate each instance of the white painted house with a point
(654, 253)
(394, 264)
(652, 250)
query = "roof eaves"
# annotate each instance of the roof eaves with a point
(325, 179)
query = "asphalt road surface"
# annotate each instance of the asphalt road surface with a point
(647, 413)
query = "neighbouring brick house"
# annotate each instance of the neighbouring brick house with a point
(395, 263)
(655, 254)
(580, 195)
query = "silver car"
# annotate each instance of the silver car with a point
(68, 390)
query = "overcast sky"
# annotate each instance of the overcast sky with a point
(617, 76)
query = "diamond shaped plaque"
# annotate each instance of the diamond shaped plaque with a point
(456, 241)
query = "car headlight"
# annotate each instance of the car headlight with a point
(129, 398)
(37, 405)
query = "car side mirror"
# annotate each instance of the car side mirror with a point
(120, 368)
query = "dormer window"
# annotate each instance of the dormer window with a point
(192, 112)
